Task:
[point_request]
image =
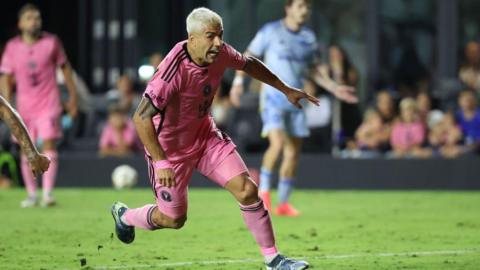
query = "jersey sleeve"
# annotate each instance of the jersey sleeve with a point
(164, 83)
(6, 64)
(260, 42)
(234, 59)
(59, 57)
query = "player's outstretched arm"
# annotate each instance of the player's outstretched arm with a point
(38, 163)
(142, 119)
(259, 71)
(343, 92)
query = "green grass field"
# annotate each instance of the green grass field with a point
(338, 230)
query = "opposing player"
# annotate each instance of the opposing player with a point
(288, 48)
(174, 123)
(31, 59)
(38, 162)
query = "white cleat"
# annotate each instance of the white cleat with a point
(48, 202)
(283, 263)
(29, 202)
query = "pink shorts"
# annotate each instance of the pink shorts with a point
(220, 162)
(45, 127)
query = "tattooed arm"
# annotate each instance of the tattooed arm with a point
(146, 131)
(38, 163)
(6, 84)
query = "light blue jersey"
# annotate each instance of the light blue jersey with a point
(288, 54)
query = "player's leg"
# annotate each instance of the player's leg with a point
(27, 175)
(170, 211)
(30, 183)
(49, 149)
(232, 174)
(296, 130)
(49, 130)
(288, 169)
(273, 128)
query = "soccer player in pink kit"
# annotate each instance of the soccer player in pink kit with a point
(174, 123)
(31, 59)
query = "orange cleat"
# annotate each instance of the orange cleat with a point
(286, 209)
(265, 196)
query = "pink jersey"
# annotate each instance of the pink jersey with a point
(109, 138)
(34, 67)
(406, 135)
(183, 92)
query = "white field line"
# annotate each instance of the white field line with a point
(324, 257)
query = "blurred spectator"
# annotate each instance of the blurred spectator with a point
(339, 67)
(342, 71)
(118, 137)
(445, 137)
(424, 103)
(385, 106)
(372, 134)
(408, 133)
(124, 95)
(468, 117)
(470, 70)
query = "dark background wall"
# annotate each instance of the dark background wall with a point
(315, 171)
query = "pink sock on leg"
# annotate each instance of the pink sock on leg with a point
(50, 175)
(28, 178)
(140, 217)
(258, 221)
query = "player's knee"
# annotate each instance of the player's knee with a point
(178, 223)
(163, 221)
(290, 153)
(276, 147)
(249, 194)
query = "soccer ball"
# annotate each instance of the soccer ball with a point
(124, 176)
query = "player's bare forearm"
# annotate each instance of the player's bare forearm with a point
(342, 92)
(146, 130)
(256, 69)
(72, 105)
(324, 81)
(69, 82)
(17, 127)
(6, 84)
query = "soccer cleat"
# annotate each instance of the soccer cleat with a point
(281, 262)
(265, 196)
(125, 233)
(286, 209)
(48, 202)
(29, 202)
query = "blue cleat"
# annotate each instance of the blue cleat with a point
(125, 233)
(283, 263)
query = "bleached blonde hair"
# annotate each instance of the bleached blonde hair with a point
(200, 18)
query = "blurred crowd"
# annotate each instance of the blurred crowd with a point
(394, 124)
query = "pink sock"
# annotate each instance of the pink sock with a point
(28, 178)
(141, 217)
(50, 175)
(258, 221)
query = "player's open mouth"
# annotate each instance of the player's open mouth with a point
(213, 54)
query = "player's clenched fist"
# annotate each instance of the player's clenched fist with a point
(164, 173)
(39, 164)
(165, 177)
